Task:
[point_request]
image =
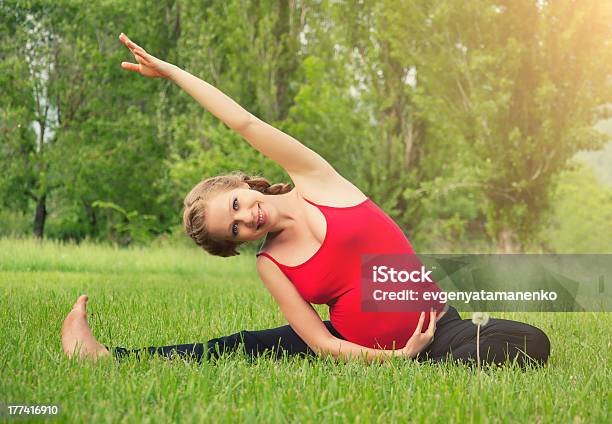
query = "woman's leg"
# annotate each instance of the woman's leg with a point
(278, 341)
(77, 338)
(500, 341)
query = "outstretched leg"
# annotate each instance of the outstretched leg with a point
(277, 341)
(77, 338)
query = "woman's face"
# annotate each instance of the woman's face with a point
(240, 214)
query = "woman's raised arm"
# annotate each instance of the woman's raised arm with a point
(285, 150)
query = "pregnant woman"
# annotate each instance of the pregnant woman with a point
(314, 235)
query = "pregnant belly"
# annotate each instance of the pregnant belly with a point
(377, 330)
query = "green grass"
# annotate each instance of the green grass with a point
(164, 295)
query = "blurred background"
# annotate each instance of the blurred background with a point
(480, 126)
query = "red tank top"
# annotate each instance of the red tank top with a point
(332, 275)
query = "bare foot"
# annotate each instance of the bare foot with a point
(77, 338)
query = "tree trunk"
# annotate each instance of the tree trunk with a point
(281, 33)
(92, 218)
(508, 242)
(40, 217)
(412, 133)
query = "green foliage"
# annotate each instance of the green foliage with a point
(13, 223)
(132, 226)
(508, 84)
(581, 220)
(456, 118)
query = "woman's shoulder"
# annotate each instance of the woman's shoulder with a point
(336, 192)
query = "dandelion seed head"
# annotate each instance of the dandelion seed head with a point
(480, 318)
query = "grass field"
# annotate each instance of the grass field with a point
(169, 295)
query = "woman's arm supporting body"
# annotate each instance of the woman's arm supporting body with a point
(308, 325)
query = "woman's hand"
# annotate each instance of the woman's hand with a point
(147, 65)
(419, 341)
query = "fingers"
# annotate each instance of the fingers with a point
(432, 322)
(130, 66)
(141, 56)
(129, 43)
(124, 39)
(133, 45)
(139, 53)
(419, 326)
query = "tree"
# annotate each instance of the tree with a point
(361, 107)
(530, 79)
(85, 136)
(249, 51)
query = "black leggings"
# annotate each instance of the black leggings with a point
(455, 339)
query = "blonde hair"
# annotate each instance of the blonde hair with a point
(195, 204)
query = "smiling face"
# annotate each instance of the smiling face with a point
(239, 214)
(221, 213)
